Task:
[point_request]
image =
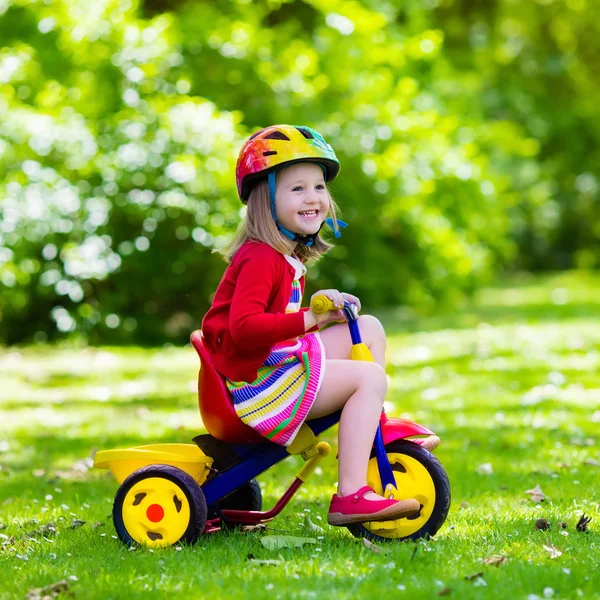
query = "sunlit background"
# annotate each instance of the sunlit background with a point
(467, 132)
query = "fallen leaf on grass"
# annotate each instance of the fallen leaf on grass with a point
(583, 523)
(445, 591)
(474, 576)
(308, 524)
(553, 550)
(371, 546)
(255, 527)
(77, 523)
(272, 542)
(542, 524)
(43, 530)
(496, 559)
(536, 494)
(592, 462)
(48, 592)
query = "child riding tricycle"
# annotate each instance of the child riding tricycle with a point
(274, 376)
(173, 493)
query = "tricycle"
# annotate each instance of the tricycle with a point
(175, 493)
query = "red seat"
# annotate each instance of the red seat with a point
(216, 407)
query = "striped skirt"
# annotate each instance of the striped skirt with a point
(278, 401)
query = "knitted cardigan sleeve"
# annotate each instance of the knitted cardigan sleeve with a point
(258, 272)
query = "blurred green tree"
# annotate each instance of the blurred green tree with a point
(120, 123)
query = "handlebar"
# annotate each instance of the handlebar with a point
(321, 304)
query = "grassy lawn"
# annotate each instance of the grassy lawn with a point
(510, 384)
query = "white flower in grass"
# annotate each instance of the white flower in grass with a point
(485, 469)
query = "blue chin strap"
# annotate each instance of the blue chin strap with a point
(306, 239)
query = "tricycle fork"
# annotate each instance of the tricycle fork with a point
(388, 430)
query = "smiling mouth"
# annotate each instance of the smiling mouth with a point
(309, 214)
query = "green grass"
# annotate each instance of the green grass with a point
(511, 380)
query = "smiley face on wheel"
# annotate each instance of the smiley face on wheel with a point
(156, 512)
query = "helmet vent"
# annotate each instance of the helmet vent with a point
(255, 134)
(307, 134)
(276, 135)
(269, 153)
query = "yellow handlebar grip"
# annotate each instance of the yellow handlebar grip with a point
(321, 304)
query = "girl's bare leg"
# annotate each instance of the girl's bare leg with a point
(358, 388)
(364, 403)
(337, 341)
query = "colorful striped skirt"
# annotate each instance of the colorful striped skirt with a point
(278, 401)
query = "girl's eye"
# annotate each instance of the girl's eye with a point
(320, 186)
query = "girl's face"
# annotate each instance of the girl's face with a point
(301, 198)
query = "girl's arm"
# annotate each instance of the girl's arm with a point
(249, 324)
(310, 323)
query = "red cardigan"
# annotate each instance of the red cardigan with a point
(248, 316)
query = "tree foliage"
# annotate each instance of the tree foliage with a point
(120, 123)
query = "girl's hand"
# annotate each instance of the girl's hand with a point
(333, 316)
(352, 299)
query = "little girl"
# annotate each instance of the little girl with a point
(279, 367)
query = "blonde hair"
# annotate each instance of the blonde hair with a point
(259, 225)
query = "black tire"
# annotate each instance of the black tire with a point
(188, 486)
(247, 497)
(442, 494)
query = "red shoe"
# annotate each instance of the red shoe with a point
(353, 508)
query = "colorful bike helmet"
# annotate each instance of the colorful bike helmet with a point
(278, 146)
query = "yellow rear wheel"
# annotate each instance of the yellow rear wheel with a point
(159, 506)
(418, 475)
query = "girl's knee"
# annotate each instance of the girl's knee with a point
(372, 326)
(374, 377)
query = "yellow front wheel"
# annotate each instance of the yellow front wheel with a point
(418, 475)
(158, 506)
